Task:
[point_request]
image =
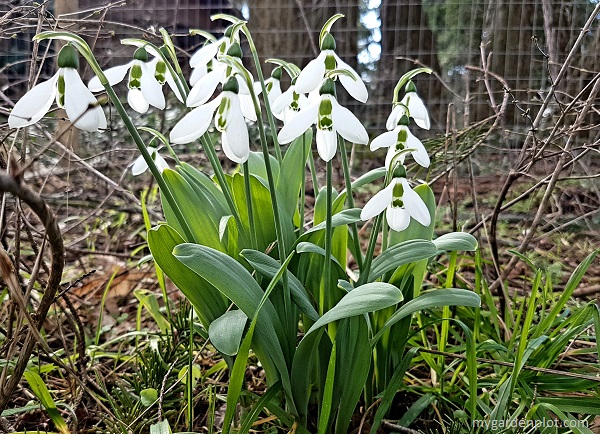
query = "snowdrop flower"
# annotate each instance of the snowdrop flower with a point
(200, 59)
(70, 93)
(206, 86)
(144, 89)
(312, 75)
(286, 106)
(400, 202)
(397, 140)
(273, 86)
(331, 119)
(412, 104)
(229, 120)
(139, 166)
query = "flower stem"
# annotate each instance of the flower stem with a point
(350, 201)
(313, 172)
(328, 240)
(261, 79)
(302, 187)
(248, 194)
(364, 275)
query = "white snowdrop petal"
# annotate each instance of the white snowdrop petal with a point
(348, 125)
(415, 205)
(136, 100)
(34, 104)
(302, 122)
(390, 156)
(247, 107)
(139, 166)
(80, 102)
(417, 110)
(397, 218)
(312, 75)
(385, 140)
(326, 144)
(204, 88)
(355, 87)
(378, 203)
(283, 101)
(161, 163)
(275, 92)
(173, 85)
(194, 124)
(114, 75)
(152, 89)
(394, 117)
(205, 54)
(197, 73)
(235, 140)
(420, 154)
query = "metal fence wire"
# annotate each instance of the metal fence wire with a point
(520, 43)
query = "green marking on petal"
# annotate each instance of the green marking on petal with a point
(60, 86)
(330, 63)
(398, 192)
(222, 111)
(135, 77)
(161, 72)
(324, 120)
(402, 136)
(397, 203)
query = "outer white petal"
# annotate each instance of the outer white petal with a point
(415, 205)
(161, 163)
(312, 75)
(244, 90)
(136, 100)
(114, 75)
(390, 156)
(204, 88)
(398, 218)
(247, 107)
(385, 140)
(275, 92)
(302, 122)
(326, 144)
(173, 86)
(347, 124)
(205, 54)
(197, 73)
(34, 104)
(235, 140)
(379, 202)
(194, 124)
(80, 103)
(420, 155)
(139, 166)
(417, 110)
(394, 117)
(151, 88)
(283, 101)
(356, 88)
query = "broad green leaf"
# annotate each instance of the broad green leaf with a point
(353, 355)
(456, 242)
(256, 164)
(194, 209)
(327, 404)
(400, 254)
(226, 332)
(306, 247)
(202, 183)
(580, 404)
(344, 217)
(161, 427)
(366, 298)
(148, 396)
(267, 267)
(293, 171)
(367, 178)
(206, 299)
(39, 389)
(236, 283)
(428, 300)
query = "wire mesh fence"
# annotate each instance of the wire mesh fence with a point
(478, 49)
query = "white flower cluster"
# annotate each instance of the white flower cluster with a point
(310, 99)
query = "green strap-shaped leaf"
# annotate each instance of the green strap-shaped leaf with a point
(366, 298)
(206, 299)
(38, 387)
(268, 267)
(293, 170)
(226, 332)
(237, 284)
(428, 300)
(456, 242)
(400, 254)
